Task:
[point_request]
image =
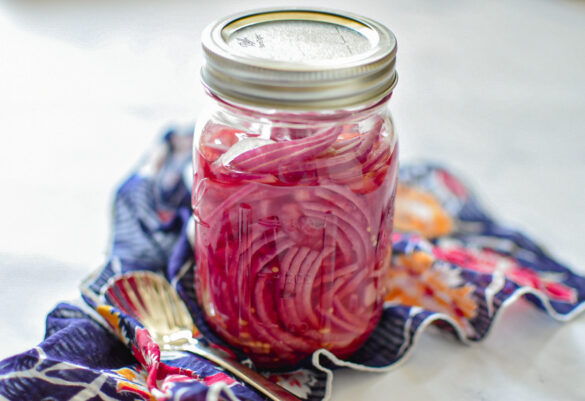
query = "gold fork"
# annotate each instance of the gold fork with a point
(150, 299)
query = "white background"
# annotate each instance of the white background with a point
(494, 89)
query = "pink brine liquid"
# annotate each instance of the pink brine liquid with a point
(293, 237)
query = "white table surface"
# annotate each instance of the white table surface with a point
(495, 89)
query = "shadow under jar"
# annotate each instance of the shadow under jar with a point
(296, 163)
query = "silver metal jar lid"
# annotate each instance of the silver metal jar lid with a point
(299, 59)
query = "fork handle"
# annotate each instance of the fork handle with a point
(255, 380)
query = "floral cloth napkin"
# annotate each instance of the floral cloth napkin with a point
(453, 266)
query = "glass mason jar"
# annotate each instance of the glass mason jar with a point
(296, 163)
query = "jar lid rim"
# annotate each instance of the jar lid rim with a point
(299, 58)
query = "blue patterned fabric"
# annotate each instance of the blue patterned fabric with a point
(457, 278)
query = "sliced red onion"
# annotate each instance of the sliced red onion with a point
(304, 287)
(290, 246)
(241, 148)
(267, 157)
(345, 145)
(368, 140)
